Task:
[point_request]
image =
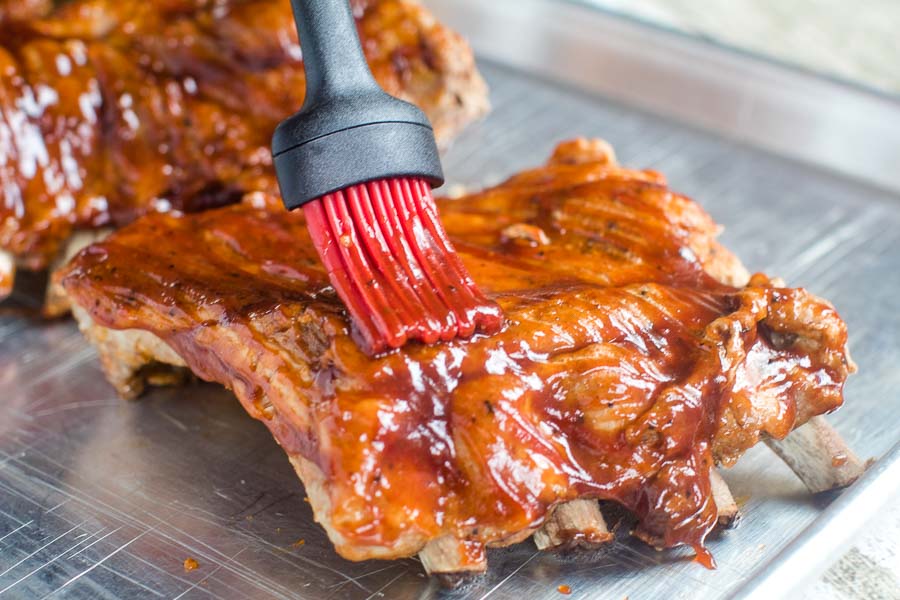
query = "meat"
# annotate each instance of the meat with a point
(20, 10)
(110, 109)
(637, 355)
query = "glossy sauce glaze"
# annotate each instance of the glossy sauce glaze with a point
(633, 356)
(110, 109)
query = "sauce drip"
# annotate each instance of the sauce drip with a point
(704, 557)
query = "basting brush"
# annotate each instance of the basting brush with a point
(362, 163)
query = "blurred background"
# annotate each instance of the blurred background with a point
(856, 41)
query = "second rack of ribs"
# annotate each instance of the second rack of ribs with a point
(110, 109)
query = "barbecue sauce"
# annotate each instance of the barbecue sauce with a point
(633, 357)
(111, 109)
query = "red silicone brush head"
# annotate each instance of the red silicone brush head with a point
(390, 261)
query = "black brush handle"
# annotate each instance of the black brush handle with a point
(332, 54)
(349, 130)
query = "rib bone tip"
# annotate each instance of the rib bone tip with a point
(576, 523)
(724, 500)
(818, 456)
(453, 560)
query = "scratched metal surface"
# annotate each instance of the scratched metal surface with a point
(101, 498)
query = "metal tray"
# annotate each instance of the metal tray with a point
(101, 498)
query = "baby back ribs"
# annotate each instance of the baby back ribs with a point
(637, 354)
(113, 108)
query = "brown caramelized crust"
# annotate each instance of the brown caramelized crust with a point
(635, 356)
(113, 108)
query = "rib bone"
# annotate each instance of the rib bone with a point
(818, 456)
(453, 559)
(577, 523)
(725, 504)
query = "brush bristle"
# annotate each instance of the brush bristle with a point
(391, 262)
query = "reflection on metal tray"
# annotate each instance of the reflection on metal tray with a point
(101, 498)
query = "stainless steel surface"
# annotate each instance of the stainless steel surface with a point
(101, 498)
(788, 111)
(829, 533)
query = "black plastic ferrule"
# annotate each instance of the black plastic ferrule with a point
(349, 130)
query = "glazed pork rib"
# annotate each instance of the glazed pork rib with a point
(637, 355)
(110, 109)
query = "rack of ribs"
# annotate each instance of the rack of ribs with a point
(638, 356)
(110, 109)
